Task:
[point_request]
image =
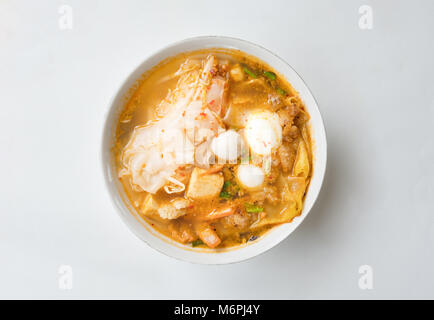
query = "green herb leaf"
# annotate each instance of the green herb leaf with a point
(281, 91)
(270, 75)
(250, 72)
(252, 208)
(225, 195)
(229, 190)
(196, 243)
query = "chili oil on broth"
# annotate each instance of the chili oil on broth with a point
(153, 87)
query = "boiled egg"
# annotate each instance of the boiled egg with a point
(226, 146)
(249, 176)
(263, 132)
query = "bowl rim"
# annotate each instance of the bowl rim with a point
(114, 194)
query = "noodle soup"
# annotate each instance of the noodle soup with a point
(213, 148)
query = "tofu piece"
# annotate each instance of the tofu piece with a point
(236, 73)
(171, 210)
(180, 203)
(168, 211)
(204, 186)
(149, 206)
(174, 209)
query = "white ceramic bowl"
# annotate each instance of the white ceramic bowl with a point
(185, 252)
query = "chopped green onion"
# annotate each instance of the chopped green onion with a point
(251, 208)
(225, 195)
(281, 91)
(196, 243)
(270, 75)
(229, 190)
(250, 72)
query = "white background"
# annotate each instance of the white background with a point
(375, 91)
